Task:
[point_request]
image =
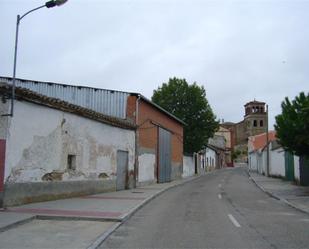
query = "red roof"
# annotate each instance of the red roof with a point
(259, 141)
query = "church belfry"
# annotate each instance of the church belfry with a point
(255, 118)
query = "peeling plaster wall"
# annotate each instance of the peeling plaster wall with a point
(4, 109)
(146, 169)
(40, 139)
(188, 166)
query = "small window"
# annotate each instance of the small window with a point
(254, 123)
(261, 123)
(71, 162)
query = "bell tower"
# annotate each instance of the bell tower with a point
(255, 118)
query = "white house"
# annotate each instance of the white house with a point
(51, 148)
(281, 163)
(208, 159)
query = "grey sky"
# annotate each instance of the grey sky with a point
(239, 50)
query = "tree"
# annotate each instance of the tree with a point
(188, 103)
(292, 125)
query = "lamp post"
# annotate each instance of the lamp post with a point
(49, 4)
(267, 143)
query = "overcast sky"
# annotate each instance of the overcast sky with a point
(238, 50)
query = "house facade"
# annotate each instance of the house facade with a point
(280, 163)
(159, 141)
(227, 134)
(54, 149)
(157, 152)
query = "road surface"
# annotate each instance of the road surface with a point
(224, 209)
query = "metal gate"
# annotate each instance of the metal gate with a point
(164, 149)
(289, 166)
(122, 170)
(2, 164)
(304, 170)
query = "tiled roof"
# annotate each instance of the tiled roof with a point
(254, 102)
(259, 141)
(31, 96)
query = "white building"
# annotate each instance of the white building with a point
(281, 163)
(53, 149)
(208, 159)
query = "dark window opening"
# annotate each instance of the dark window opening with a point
(261, 123)
(71, 162)
(254, 123)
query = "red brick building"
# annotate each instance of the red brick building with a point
(159, 140)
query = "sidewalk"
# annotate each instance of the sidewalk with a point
(293, 195)
(82, 222)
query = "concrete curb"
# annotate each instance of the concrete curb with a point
(273, 195)
(17, 223)
(119, 221)
(103, 236)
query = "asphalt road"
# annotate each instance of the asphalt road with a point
(223, 209)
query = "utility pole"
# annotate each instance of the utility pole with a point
(267, 143)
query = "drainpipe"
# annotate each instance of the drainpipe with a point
(136, 141)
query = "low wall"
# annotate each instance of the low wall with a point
(176, 171)
(22, 193)
(188, 166)
(276, 163)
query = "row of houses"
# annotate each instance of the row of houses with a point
(65, 140)
(214, 155)
(273, 160)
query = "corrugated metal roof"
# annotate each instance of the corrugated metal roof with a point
(109, 102)
(56, 103)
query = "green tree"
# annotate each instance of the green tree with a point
(188, 103)
(292, 125)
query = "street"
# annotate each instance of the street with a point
(223, 209)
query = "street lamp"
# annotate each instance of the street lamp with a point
(49, 4)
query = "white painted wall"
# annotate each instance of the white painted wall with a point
(277, 162)
(40, 139)
(210, 159)
(146, 166)
(261, 161)
(257, 162)
(252, 158)
(188, 166)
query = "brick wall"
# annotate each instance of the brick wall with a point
(150, 119)
(148, 131)
(131, 105)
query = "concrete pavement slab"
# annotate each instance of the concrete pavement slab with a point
(54, 234)
(8, 220)
(113, 208)
(293, 195)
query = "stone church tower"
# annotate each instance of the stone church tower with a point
(255, 118)
(254, 122)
